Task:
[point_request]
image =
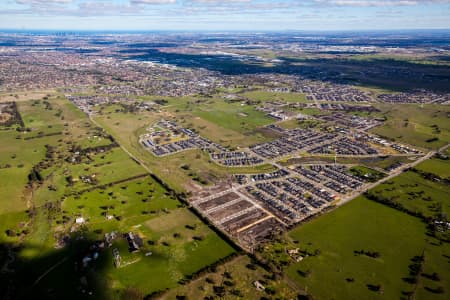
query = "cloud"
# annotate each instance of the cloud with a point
(198, 8)
(211, 6)
(221, 1)
(377, 3)
(43, 2)
(150, 2)
(104, 8)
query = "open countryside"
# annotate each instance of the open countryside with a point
(260, 150)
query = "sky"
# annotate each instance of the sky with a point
(224, 15)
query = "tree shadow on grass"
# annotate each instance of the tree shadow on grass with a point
(57, 274)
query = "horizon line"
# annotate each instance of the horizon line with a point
(220, 30)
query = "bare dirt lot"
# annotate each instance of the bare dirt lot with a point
(246, 219)
(218, 201)
(230, 210)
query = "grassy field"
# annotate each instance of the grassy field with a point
(199, 165)
(369, 174)
(415, 193)
(175, 254)
(179, 242)
(274, 96)
(383, 163)
(437, 166)
(234, 116)
(134, 202)
(20, 155)
(95, 185)
(425, 126)
(143, 207)
(25, 96)
(20, 151)
(12, 221)
(292, 124)
(309, 111)
(225, 136)
(102, 168)
(236, 277)
(59, 124)
(416, 58)
(335, 271)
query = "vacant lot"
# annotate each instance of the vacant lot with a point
(370, 175)
(425, 126)
(222, 135)
(274, 96)
(234, 116)
(25, 96)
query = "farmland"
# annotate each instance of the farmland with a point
(437, 166)
(342, 258)
(236, 277)
(374, 226)
(79, 173)
(415, 193)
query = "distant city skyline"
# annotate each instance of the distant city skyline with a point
(223, 15)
